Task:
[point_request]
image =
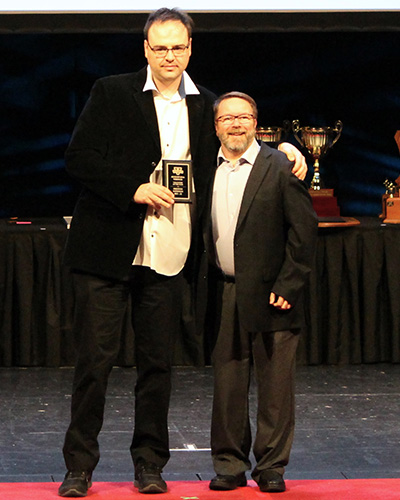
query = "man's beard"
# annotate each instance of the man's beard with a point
(237, 144)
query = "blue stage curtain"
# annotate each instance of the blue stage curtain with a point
(316, 77)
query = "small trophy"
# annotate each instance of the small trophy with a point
(317, 141)
(273, 136)
(177, 177)
(391, 203)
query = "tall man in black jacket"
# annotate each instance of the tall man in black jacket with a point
(129, 239)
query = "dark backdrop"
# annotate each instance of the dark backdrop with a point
(316, 76)
(314, 68)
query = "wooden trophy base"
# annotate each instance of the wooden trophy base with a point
(391, 210)
(324, 203)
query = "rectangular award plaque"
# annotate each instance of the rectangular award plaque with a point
(177, 176)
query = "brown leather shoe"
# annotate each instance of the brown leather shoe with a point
(271, 481)
(222, 482)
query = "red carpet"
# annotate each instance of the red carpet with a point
(347, 489)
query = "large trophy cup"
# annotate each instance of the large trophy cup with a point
(273, 136)
(317, 141)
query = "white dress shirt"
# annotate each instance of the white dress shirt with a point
(166, 234)
(229, 185)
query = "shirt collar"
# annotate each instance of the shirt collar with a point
(249, 156)
(186, 87)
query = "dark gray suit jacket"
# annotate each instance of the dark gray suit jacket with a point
(274, 244)
(114, 148)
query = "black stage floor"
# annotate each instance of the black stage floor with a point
(347, 424)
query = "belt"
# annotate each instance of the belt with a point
(227, 278)
(216, 273)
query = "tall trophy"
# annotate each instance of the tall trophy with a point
(273, 136)
(317, 141)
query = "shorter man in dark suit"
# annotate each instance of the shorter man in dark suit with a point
(261, 237)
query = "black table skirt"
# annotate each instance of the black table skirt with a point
(353, 313)
(354, 296)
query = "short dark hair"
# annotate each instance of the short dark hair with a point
(239, 95)
(164, 14)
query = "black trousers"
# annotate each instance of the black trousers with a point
(99, 312)
(273, 355)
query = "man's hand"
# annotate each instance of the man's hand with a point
(278, 302)
(154, 195)
(293, 154)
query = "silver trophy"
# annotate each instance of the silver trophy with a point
(273, 135)
(317, 140)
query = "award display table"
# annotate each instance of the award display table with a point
(353, 306)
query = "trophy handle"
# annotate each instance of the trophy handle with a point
(296, 128)
(285, 129)
(286, 125)
(338, 129)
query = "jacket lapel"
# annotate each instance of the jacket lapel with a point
(195, 104)
(146, 104)
(257, 174)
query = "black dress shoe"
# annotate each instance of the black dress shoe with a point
(75, 484)
(271, 481)
(224, 482)
(148, 478)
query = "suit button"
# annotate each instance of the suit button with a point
(140, 216)
(153, 164)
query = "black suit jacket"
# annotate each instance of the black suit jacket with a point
(274, 244)
(114, 148)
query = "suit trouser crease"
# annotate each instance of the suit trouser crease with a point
(273, 355)
(100, 310)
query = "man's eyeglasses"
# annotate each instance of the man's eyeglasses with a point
(160, 52)
(243, 119)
